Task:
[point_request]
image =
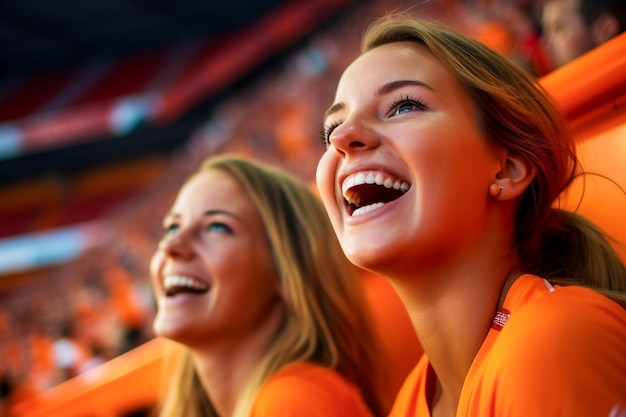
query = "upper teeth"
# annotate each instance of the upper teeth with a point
(172, 281)
(371, 178)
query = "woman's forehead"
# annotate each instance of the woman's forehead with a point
(390, 61)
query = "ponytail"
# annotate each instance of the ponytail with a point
(573, 251)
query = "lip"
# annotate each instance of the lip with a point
(181, 299)
(345, 172)
(183, 274)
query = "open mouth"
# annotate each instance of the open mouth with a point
(178, 284)
(367, 191)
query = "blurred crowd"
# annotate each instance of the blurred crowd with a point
(65, 320)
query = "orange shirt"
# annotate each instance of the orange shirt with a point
(560, 352)
(308, 390)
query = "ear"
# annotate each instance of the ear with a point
(514, 177)
(604, 28)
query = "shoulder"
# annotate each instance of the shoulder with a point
(561, 316)
(566, 343)
(306, 389)
(304, 374)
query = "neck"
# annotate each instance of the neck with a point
(226, 365)
(223, 375)
(451, 310)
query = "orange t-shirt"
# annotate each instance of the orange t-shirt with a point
(560, 351)
(309, 390)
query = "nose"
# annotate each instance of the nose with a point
(177, 246)
(352, 136)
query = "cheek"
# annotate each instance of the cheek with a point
(325, 179)
(156, 263)
(448, 173)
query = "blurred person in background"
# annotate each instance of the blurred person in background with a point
(251, 283)
(510, 27)
(574, 27)
(68, 351)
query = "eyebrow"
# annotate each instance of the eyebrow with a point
(218, 211)
(334, 109)
(207, 213)
(385, 89)
(395, 85)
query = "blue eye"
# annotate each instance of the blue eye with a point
(218, 227)
(407, 104)
(404, 107)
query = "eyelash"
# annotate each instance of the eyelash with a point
(223, 227)
(419, 104)
(326, 131)
(408, 100)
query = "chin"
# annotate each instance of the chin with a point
(162, 328)
(383, 256)
(366, 257)
(159, 330)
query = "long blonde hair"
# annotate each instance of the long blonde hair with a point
(327, 316)
(516, 113)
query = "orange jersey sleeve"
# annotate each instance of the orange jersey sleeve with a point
(308, 390)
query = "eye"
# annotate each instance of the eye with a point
(218, 227)
(170, 229)
(326, 132)
(406, 104)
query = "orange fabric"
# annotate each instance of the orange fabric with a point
(601, 151)
(308, 390)
(593, 80)
(561, 352)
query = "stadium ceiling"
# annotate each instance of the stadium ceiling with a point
(90, 82)
(40, 35)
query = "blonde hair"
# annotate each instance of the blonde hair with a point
(327, 316)
(515, 112)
